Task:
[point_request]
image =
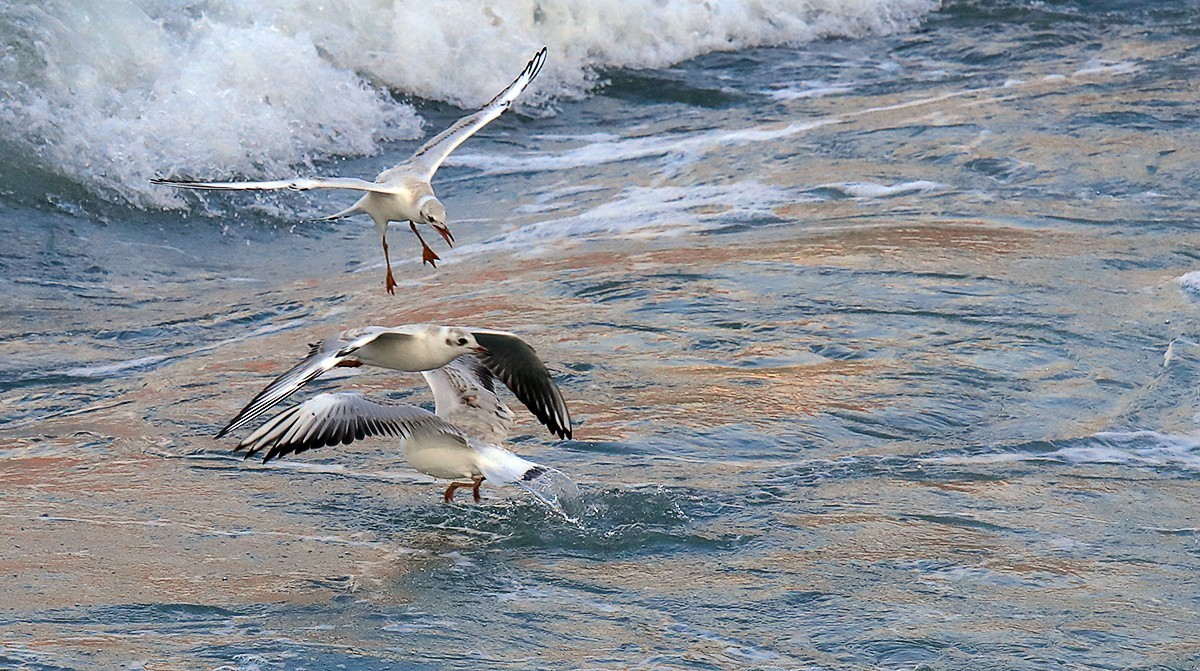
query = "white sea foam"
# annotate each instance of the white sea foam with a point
(809, 90)
(610, 150)
(111, 92)
(1122, 448)
(1100, 66)
(112, 369)
(874, 190)
(1189, 285)
(650, 212)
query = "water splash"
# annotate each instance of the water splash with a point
(557, 491)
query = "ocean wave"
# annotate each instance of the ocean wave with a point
(108, 93)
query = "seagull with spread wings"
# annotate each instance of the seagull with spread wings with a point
(418, 348)
(401, 193)
(460, 440)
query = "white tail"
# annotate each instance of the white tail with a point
(501, 467)
(548, 485)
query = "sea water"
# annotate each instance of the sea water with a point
(877, 320)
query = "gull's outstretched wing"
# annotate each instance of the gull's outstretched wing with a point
(322, 357)
(429, 157)
(344, 417)
(465, 395)
(299, 184)
(522, 371)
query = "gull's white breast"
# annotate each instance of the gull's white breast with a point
(441, 456)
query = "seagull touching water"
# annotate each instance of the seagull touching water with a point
(401, 193)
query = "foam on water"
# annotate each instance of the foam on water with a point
(107, 370)
(109, 93)
(605, 149)
(869, 190)
(1151, 449)
(648, 212)
(1189, 285)
(665, 211)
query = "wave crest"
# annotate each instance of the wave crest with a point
(109, 93)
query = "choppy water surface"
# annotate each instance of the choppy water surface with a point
(883, 353)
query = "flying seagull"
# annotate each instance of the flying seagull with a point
(401, 193)
(460, 441)
(423, 347)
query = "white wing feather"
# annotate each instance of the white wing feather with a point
(299, 184)
(430, 156)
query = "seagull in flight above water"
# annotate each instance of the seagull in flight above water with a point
(461, 441)
(401, 193)
(423, 347)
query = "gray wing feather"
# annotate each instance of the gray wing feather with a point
(341, 418)
(465, 395)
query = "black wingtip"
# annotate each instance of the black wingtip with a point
(533, 473)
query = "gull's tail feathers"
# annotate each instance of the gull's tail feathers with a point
(501, 467)
(549, 486)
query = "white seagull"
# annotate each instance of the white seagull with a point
(401, 193)
(423, 347)
(459, 441)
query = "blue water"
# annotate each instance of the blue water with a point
(882, 349)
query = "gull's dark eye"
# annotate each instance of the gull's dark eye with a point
(462, 341)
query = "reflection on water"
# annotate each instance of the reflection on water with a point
(909, 386)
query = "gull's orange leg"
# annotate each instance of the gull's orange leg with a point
(427, 254)
(389, 282)
(449, 495)
(474, 485)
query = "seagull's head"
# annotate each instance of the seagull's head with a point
(433, 213)
(459, 339)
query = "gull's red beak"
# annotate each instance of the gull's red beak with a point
(479, 349)
(444, 231)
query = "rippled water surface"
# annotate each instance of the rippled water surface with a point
(883, 354)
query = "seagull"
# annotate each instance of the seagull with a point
(403, 192)
(423, 347)
(459, 440)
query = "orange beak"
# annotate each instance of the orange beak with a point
(444, 231)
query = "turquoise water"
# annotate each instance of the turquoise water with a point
(882, 350)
